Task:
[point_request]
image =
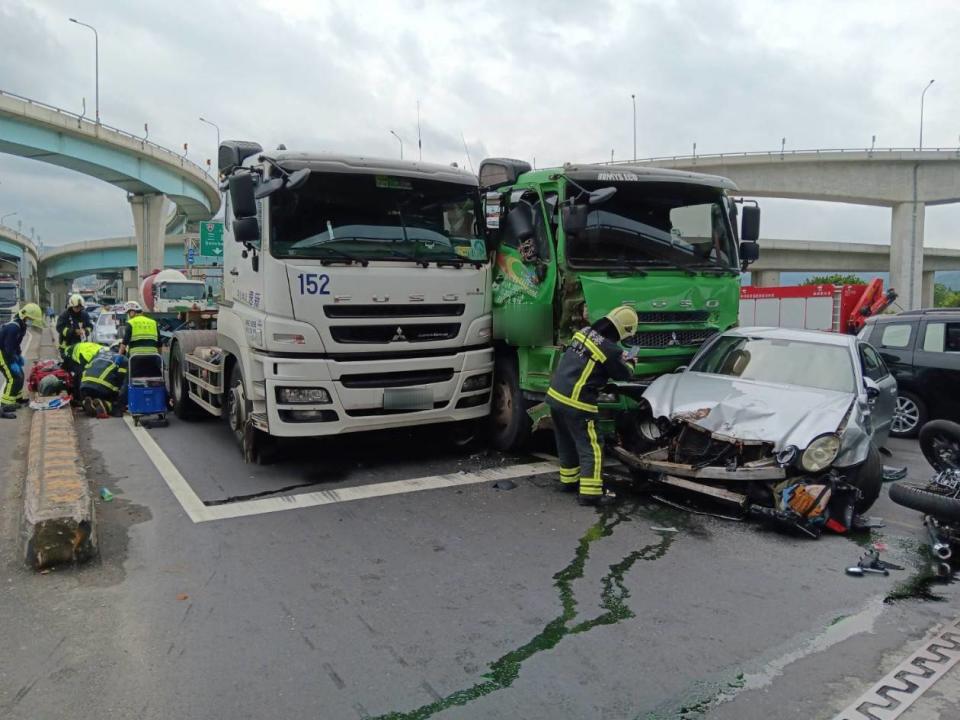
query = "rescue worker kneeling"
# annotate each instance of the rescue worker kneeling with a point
(77, 357)
(591, 360)
(103, 385)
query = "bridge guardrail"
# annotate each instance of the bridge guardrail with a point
(783, 153)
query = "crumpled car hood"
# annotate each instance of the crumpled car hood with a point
(745, 410)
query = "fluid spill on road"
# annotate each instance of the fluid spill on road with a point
(613, 600)
(919, 585)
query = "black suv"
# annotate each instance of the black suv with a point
(922, 349)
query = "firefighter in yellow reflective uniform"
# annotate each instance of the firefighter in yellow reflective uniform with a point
(11, 359)
(102, 382)
(141, 335)
(591, 359)
(78, 356)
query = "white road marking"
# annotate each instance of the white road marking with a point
(896, 692)
(198, 512)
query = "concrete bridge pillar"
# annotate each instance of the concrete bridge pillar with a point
(906, 255)
(129, 285)
(926, 294)
(765, 278)
(59, 292)
(149, 227)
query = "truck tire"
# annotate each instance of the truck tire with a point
(183, 407)
(510, 426)
(909, 416)
(867, 477)
(940, 444)
(257, 447)
(918, 497)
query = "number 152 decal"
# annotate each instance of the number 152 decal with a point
(313, 284)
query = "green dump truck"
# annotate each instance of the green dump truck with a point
(574, 242)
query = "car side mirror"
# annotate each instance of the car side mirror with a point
(574, 219)
(749, 253)
(242, 195)
(246, 230)
(872, 389)
(519, 222)
(750, 223)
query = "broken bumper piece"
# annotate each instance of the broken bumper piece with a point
(656, 462)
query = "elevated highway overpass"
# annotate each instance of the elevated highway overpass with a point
(147, 172)
(18, 256)
(903, 179)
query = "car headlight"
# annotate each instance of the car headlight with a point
(821, 453)
(304, 395)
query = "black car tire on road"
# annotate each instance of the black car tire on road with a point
(940, 444)
(918, 497)
(909, 415)
(868, 478)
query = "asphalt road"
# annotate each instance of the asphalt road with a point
(460, 602)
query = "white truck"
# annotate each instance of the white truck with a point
(170, 291)
(356, 297)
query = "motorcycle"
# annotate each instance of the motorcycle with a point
(939, 498)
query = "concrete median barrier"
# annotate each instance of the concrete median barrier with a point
(58, 517)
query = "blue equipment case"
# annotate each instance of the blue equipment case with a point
(146, 391)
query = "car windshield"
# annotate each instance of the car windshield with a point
(8, 296)
(650, 224)
(107, 321)
(340, 216)
(786, 362)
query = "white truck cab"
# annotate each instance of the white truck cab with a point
(356, 297)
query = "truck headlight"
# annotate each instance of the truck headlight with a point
(302, 395)
(476, 382)
(821, 453)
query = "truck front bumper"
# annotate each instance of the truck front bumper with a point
(357, 390)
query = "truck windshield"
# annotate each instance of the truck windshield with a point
(181, 291)
(376, 217)
(784, 362)
(8, 296)
(650, 224)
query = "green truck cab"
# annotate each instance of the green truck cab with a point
(574, 242)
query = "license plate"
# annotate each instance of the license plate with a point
(408, 399)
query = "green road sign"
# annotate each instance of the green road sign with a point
(211, 239)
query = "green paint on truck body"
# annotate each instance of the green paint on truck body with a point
(542, 294)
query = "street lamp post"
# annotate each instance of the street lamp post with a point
(400, 140)
(5, 216)
(633, 99)
(922, 95)
(96, 63)
(215, 127)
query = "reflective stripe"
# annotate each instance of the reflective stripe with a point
(570, 471)
(584, 376)
(593, 485)
(569, 476)
(571, 402)
(7, 398)
(589, 344)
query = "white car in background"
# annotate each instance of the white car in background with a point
(106, 328)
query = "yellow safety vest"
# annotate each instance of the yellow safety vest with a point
(144, 336)
(83, 352)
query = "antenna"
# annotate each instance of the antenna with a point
(466, 151)
(419, 140)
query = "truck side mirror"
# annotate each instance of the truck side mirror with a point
(242, 195)
(246, 230)
(519, 222)
(750, 223)
(574, 218)
(749, 253)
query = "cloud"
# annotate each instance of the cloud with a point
(537, 80)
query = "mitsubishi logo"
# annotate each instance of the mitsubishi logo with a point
(398, 336)
(674, 340)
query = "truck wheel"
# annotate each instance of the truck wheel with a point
(183, 407)
(465, 435)
(868, 478)
(257, 447)
(909, 416)
(510, 425)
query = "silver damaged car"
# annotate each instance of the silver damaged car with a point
(760, 410)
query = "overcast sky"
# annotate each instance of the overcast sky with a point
(544, 81)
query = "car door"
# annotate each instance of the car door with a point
(882, 409)
(894, 342)
(937, 367)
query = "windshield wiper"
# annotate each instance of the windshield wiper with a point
(709, 267)
(407, 256)
(346, 257)
(453, 260)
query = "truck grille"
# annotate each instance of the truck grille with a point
(396, 379)
(394, 333)
(680, 316)
(669, 338)
(392, 311)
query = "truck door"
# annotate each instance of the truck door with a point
(525, 277)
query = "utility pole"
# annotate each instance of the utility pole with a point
(633, 98)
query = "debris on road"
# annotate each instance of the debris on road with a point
(664, 529)
(105, 494)
(504, 485)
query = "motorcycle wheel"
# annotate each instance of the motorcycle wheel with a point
(919, 497)
(940, 444)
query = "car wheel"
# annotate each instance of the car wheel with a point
(909, 416)
(510, 424)
(867, 477)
